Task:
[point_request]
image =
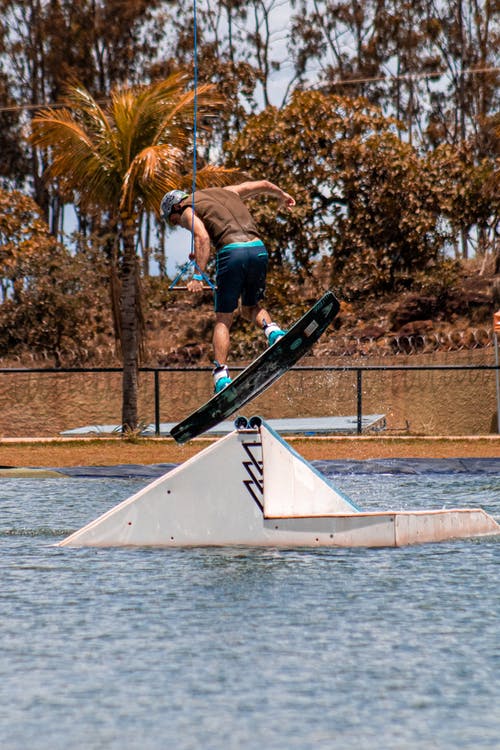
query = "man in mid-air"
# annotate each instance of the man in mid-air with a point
(222, 219)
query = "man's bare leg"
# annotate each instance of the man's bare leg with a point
(221, 341)
(221, 337)
(258, 315)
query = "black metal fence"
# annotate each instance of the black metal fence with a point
(358, 370)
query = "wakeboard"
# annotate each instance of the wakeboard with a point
(262, 372)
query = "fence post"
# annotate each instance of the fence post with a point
(157, 403)
(498, 382)
(359, 380)
(496, 331)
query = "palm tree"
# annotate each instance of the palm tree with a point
(121, 158)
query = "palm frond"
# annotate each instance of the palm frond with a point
(213, 176)
(132, 151)
(87, 109)
(155, 171)
(161, 113)
(76, 157)
(177, 122)
(51, 125)
(83, 147)
(137, 113)
(95, 120)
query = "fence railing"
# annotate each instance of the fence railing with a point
(359, 371)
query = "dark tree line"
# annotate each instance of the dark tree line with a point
(414, 59)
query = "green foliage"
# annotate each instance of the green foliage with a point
(379, 209)
(52, 302)
(439, 280)
(294, 147)
(468, 191)
(391, 227)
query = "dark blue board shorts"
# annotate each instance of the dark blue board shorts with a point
(240, 272)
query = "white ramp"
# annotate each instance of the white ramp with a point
(251, 488)
(214, 498)
(293, 488)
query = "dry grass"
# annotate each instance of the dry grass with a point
(113, 451)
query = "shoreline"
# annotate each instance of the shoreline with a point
(112, 451)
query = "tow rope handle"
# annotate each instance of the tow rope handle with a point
(174, 286)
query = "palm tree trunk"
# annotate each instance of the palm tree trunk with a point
(129, 327)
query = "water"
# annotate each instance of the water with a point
(222, 649)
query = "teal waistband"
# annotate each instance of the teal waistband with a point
(250, 243)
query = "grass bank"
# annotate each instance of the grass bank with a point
(112, 451)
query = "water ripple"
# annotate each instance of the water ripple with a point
(252, 649)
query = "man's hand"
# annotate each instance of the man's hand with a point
(194, 285)
(259, 187)
(287, 200)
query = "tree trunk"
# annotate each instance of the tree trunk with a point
(129, 327)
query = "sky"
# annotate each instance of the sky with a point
(178, 247)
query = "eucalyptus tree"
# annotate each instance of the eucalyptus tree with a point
(120, 158)
(369, 48)
(465, 35)
(434, 64)
(243, 48)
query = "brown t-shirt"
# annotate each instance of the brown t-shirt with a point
(225, 216)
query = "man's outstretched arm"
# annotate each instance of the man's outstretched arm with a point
(261, 187)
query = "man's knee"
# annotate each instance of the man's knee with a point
(225, 319)
(250, 312)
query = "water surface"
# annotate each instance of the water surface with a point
(245, 648)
